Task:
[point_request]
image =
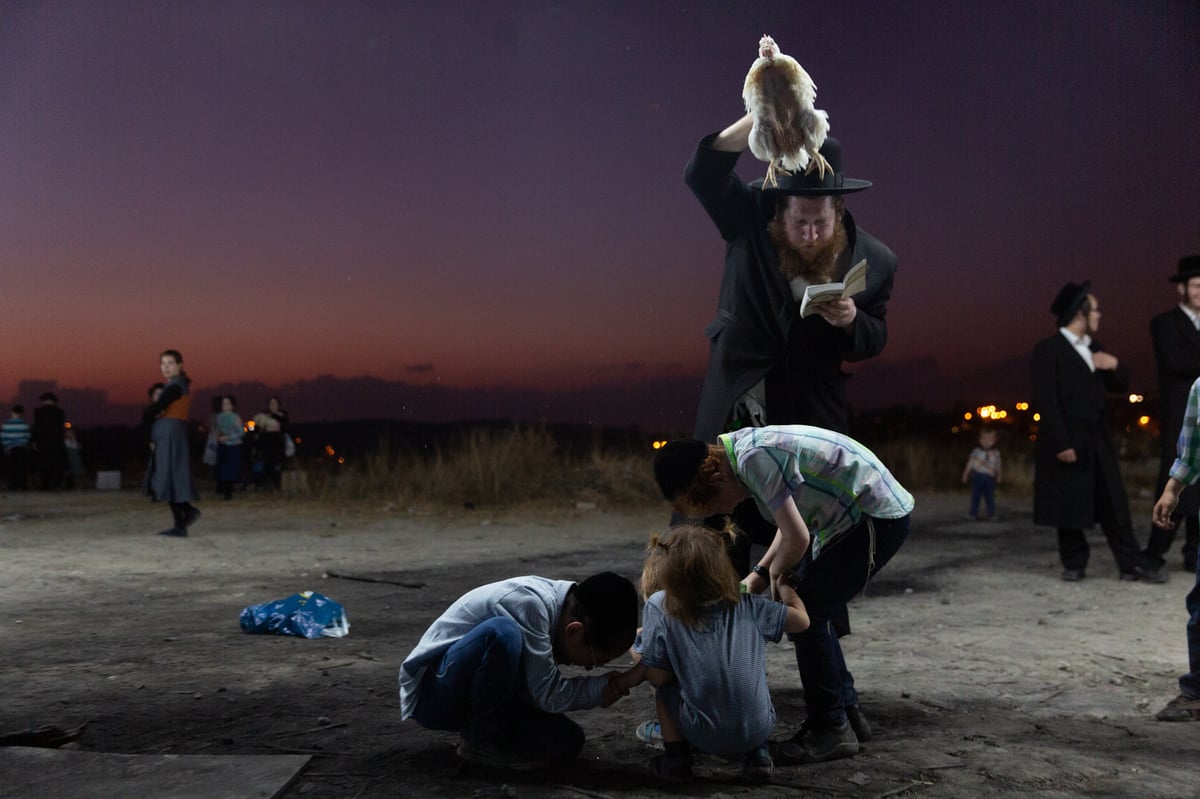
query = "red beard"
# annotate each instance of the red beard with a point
(818, 265)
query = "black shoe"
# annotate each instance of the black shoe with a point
(671, 768)
(1189, 565)
(757, 765)
(1147, 574)
(1073, 575)
(190, 517)
(1180, 709)
(174, 532)
(817, 746)
(482, 752)
(858, 723)
(1131, 577)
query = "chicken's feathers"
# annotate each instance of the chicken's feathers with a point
(779, 94)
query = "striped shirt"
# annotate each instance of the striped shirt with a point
(1186, 468)
(834, 480)
(720, 667)
(14, 432)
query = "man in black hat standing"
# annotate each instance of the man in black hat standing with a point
(49, 443)
(1077, 481)
(779, 239)
(1176, 336)
(767, 365)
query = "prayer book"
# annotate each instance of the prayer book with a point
(854, 282)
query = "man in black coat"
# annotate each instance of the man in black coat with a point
(1176, 336)
(779, 239)
(49, 444)
(767, 364)
(1077, 481)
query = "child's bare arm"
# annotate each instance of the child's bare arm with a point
(658, 677)
(631, 678)
(797, 615)
(621, 682)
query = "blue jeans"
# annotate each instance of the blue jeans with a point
(832, 580)
(476, 690)
(1189, 684)
(983, 485)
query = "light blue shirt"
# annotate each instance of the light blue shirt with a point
(534, 603)
(720, 667)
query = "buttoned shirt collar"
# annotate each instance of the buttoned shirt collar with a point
(1193, 315)
(1082, 345)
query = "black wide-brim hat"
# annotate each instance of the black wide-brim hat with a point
(1070, 299)
(1189, 267)
(810, 183)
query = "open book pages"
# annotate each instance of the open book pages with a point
(854, 282)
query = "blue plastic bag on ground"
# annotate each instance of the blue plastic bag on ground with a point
(305, 615)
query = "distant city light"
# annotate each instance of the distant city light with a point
(1037, 417)
(341, 460)
(298, 440)
(250, 425)
(658, 444)
(1022, 406)
(956, 428)
(66, 425)
(1143, 420)
(329, 450)
(968, 416)
(1134, 399)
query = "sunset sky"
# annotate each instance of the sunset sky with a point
(482, 194)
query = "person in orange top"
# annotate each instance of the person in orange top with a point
(171, 477)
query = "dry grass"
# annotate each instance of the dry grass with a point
(492, 468)
(527, 467)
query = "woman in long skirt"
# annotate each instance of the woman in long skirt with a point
(171, 475)
(228, 427)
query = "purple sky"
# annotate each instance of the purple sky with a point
(481, 194)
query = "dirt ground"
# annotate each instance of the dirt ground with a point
(982, 673)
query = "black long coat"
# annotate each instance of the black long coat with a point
(1071, 398)
(47, 436)
(1177, 353)
(758, 332)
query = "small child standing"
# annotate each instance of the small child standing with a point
(703, 648)
(983, 470)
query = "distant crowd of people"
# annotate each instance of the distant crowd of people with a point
(169, 471)
(48, 449)
(47, 455)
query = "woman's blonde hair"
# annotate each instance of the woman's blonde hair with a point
(691, 564)
(695, 500)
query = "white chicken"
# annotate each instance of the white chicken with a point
(787, 132)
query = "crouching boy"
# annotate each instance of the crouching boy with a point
(488, 667)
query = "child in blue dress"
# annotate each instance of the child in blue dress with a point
(703, 648)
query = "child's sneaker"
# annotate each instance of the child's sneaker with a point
(650, 732)
(757, 765)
